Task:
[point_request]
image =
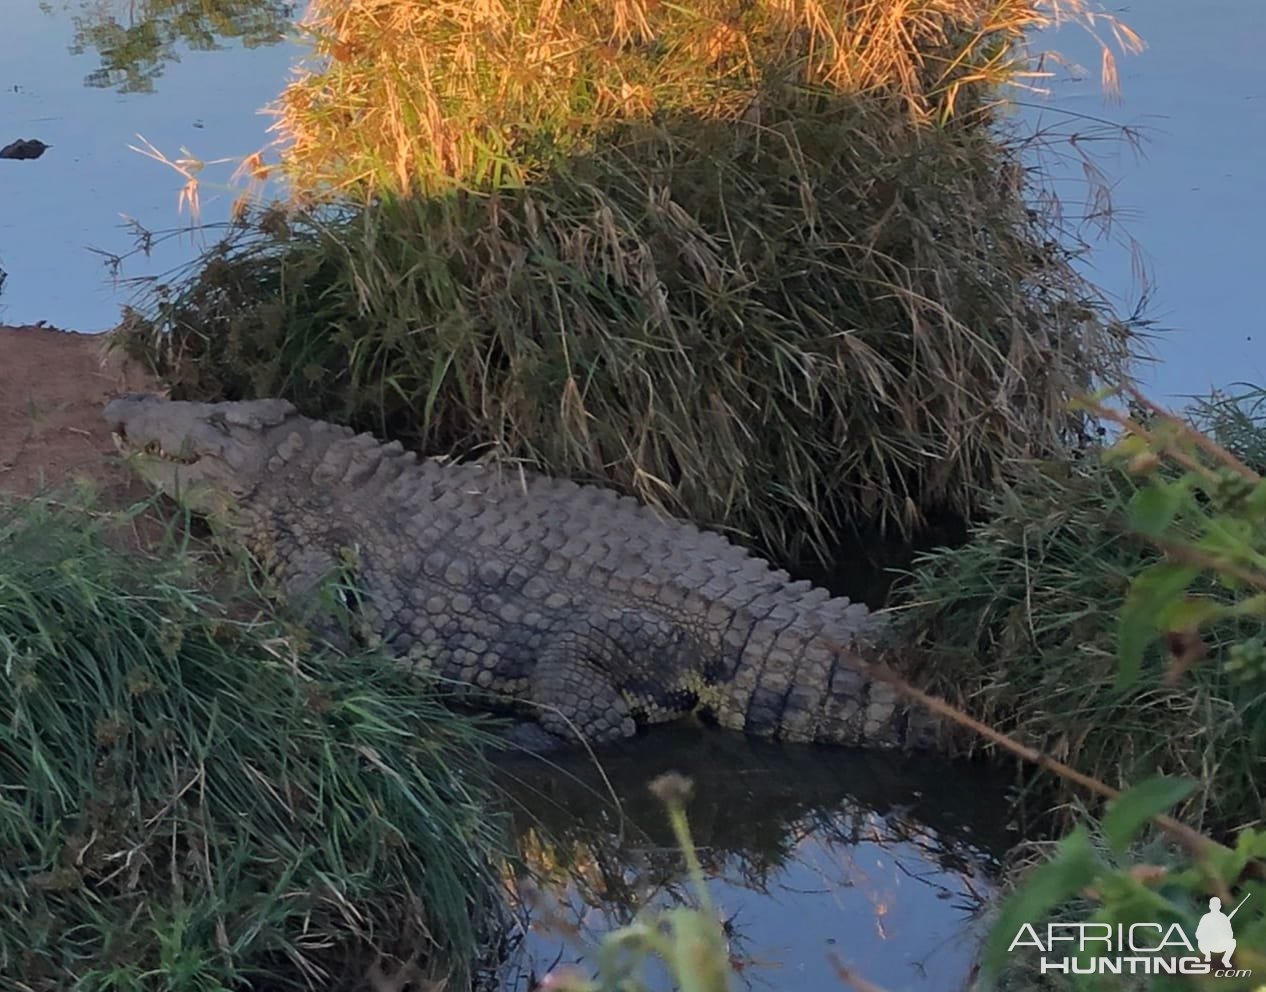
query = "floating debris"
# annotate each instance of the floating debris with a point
(24, 148)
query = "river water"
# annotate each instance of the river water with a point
(1194, 198)
(886, 863)
(176, 81)
(809, 852)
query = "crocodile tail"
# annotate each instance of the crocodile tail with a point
(801, 677)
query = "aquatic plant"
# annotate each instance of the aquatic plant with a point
(191, 803)
(1020, 627)
(1203, 510)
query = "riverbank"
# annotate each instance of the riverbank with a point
(141, 681)
(53, 384)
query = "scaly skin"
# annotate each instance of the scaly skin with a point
(590, 611)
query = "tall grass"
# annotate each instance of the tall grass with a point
(1235, 417)
(1020, 628)
(782, 328)
(423, 97)
(188, 804)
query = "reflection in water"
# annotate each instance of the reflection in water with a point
(87, 190)
(135, 39)
(882, 860)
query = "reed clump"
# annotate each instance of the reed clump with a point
(422, 97)
(190, 803)
(767, 328)
(1021, 627)
(801, 286)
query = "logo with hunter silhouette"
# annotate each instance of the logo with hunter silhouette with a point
(1214, 934)
(1139, 948)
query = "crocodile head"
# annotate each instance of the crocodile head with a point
(209, 456)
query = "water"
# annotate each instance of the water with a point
(1195, 201)
(54, 209)
(883, 861)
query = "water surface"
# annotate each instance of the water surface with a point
(87, 77)
(884, 861)
(1194, 200)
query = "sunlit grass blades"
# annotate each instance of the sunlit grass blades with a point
(420, 97)
(779, 328)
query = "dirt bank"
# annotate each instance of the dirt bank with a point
(53, 385)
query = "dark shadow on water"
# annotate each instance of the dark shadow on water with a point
(885, 860)
(867, 564)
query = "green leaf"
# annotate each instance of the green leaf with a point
(1153, 590)
(1253, 606)
(1228, 537)
(1158, 585)
(1126, 447)
(1153, 508)
(1255, 502)
(1191, 613)
(1073, 867)
(1127, 813)
(1251, 843)
(1134, 633)
(699, 961)
(1093, 400)
(439, 373)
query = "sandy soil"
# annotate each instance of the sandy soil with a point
(53, 385)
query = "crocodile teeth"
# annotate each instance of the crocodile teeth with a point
(152, 448)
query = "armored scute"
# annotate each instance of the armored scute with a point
(589, 611)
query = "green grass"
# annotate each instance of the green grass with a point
(1235, 417)
(783, 330)
(188, 803)
(1020, 626)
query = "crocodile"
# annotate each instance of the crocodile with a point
(583, 609)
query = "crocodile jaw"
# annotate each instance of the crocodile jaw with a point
(193, 452)
(189, 480)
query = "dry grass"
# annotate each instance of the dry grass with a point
(422, 97)
(781, 329)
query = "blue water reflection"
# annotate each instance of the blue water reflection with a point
(79, 194)
(882, 862)
(1195, 200)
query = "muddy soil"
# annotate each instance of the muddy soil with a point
(53, 385)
